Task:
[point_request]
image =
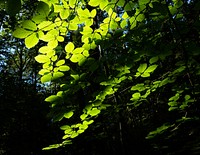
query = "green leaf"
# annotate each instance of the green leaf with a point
(72, 3)
(38, 19)
(104, 4)
(151, 68)
(93, 3)
(64, 68)
(187, 97)
(153, 60)
(172, 108)
(94, 112)
(68, 114)
(65, 127)
(123, 24)
(74, 134)
(52, 98)
(78, 50)
(54, 58)
(60, 62)
(145, 74)
(142, 68)
(83, 116)
(30, 25)
(64, 13)
(143, 2)
(42, 58)
(69, 47)
(43, 9)
(45, 49)
(46, 25)
(21, 33)
(54, 146)
(77, 58)
(136, 96)
(31, 40)
(46, 78)
(93, 13)
(140, 17)
(57, 75)
(129, 6)
(174, 98)
(139, 87)
(73, 26)
(121, 3)
(173, 104)
(88, 122)
(43, 71)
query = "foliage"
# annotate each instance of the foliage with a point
(115, 57)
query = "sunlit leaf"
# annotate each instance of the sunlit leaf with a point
(136, 96)
(94, 112)
(52, 98)
(65, 127)
(145, 74)
(42, 58)
(46, 25)
(60, 62)
(57, 75)
(83, 116)
(68, 114)
(76, 58)
(21, 33)
(93, 3)
(46, 78)
(43, 71)
(142, 68)
(72, 3)
(64, 68)
(45, 49)
(31, 40)
(69, 47)
(64, 13)
(151, 68)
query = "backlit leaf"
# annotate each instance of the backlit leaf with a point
(93, 3)
(52, 98)
(64, 13)
(64, 68)
(68, 114)
(57, 75)
(31, 40)
(30, 25)
(42, 58)
(76, 58)
(142, 68)
(21, 33)
(94, 112)
(60, 62)
(151, 68)
(69, 47)
(136, 96)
